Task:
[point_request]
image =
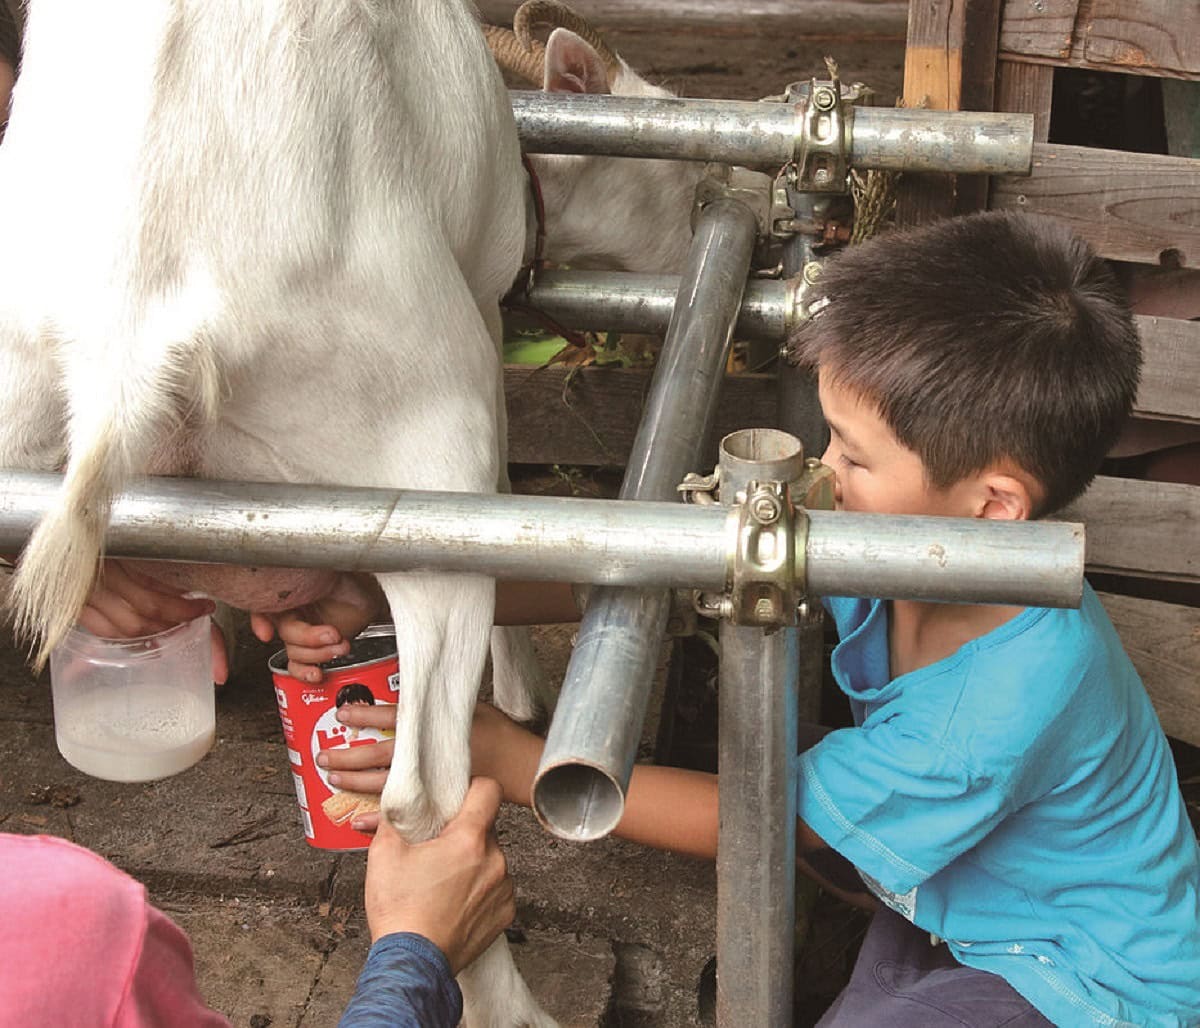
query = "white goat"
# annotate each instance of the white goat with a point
(601, 212)
(254, 240)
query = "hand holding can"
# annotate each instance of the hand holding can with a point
(362, 769)
(363, 679)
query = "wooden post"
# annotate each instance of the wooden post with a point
(949, 65)
(1026, 89)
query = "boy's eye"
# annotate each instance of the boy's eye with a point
(847, 462)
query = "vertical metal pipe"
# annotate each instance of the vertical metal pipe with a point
(756, 847)
(579, 788)
(800, 414)
(799, 409)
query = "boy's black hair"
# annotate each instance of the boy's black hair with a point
(10, 41)
(353, 692)
(996, 335)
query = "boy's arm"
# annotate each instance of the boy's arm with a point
(666, 808)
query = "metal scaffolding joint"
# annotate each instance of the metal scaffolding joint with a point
(762, 587)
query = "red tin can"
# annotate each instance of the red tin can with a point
(367, 674)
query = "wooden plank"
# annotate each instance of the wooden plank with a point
(1163, 641)
(1155, 37)
(1026, 89)
(1147, 529)
(949, 65)
(1131, 207)
(1042, 30)
(1170, 387)
(593, 420)
(1141, 37)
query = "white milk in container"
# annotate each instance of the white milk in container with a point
(132, 710)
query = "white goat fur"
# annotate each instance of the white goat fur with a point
(611, 212)
(267, 240)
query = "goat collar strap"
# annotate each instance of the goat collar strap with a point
(518, 298)
(538, 260)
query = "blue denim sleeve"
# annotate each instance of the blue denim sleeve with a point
(405, 983)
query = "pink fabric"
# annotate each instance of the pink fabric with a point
(81, 945)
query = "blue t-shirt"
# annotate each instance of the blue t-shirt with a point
(405, 983)
(1018, 800)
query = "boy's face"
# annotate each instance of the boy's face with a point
(875, 472)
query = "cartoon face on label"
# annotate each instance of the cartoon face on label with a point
(330, 734)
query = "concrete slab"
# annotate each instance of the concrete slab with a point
(571, 974)
(256, 959)
(659, 910)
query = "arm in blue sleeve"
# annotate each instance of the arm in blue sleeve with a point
(405, 983)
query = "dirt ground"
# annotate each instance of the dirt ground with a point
(607, 934)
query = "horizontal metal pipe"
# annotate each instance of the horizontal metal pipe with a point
(764, 135)
(553, 538)
(964, 560)
(354, 529)
(965, 142)
(629, 302)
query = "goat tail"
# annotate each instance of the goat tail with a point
(58, 566)
(111, 440)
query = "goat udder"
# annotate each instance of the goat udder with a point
(262, 590)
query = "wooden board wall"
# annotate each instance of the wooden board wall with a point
(1131, 207)
(1141, 37)
(1163, 641)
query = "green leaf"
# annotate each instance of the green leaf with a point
(532, 351)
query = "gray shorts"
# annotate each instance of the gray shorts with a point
(901, 981)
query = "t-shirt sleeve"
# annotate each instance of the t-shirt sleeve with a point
(405, 983)
(898, 806)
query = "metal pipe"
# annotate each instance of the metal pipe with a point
(628, 302)
(357, 529)
(553, 538)
(799, 412)
(943, 558)
(764, 135)
(579, 788)
(799, 409)
(756, 739)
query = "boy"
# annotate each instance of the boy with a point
(1007, 789)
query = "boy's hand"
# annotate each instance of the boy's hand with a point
(500, 749)
(454, 889)
(322, 631)
(362, 768)
(125, 604)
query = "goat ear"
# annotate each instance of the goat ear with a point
(572, 65)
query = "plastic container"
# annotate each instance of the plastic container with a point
(367, 674)
(133, 710)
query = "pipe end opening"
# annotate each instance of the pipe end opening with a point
(577, 802)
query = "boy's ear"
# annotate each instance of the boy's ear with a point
(1007, 494)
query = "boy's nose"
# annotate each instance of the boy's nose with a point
(828, 458)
